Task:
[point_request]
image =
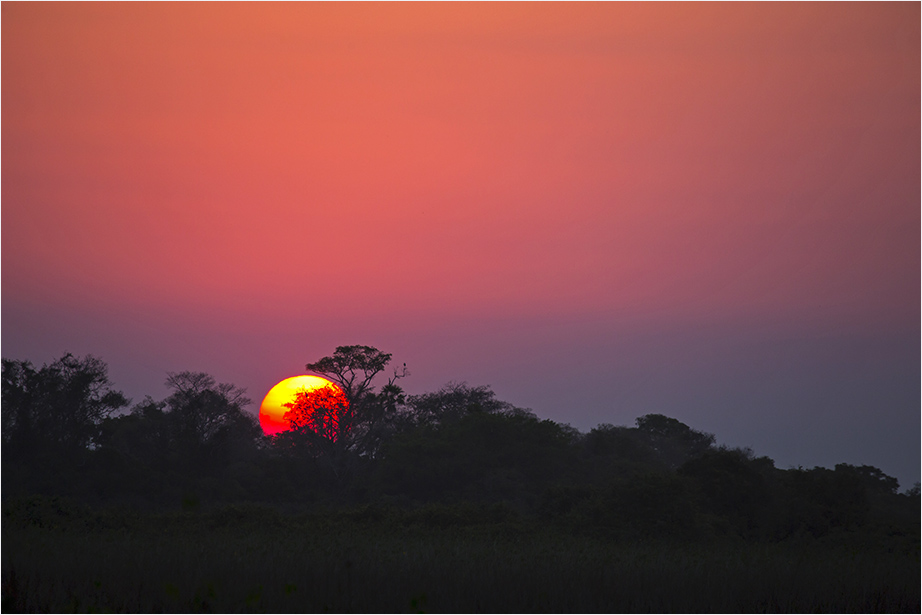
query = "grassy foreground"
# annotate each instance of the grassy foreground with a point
(253, 560)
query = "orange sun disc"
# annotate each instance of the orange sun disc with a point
(272, 410)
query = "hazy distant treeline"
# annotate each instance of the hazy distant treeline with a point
(68, 432)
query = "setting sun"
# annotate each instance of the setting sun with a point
(272, 410)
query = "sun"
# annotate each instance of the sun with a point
(272, 410)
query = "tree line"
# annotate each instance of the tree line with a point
(68, 432)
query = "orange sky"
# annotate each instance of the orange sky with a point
(256, 167)
(474, 157)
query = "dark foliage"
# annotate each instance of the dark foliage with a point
(200, 447)
(454, 460)
(483, 455)
(350, 428)
(55, 411)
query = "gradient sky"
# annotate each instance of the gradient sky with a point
(711, 211)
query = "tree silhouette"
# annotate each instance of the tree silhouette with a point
(366, 418)
(140, 437)
(671, 440)
(873, 479)
(358, 443)
(204, 416)
(353, 368)
(481, 456)
(733, 484)
(323, 412)
(57, 409)
(455, 401)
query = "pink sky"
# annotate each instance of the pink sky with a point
(238, 188)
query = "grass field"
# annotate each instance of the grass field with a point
(252, 560)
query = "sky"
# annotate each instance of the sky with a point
(708, 211)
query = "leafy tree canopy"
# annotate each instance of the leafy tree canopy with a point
(202, 411)
(353, 368)
(56, 409)
(673, 442)
(455, 401)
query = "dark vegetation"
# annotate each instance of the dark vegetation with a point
(451, 501)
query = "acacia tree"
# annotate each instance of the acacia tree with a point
(360, 420)
(353, 368)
